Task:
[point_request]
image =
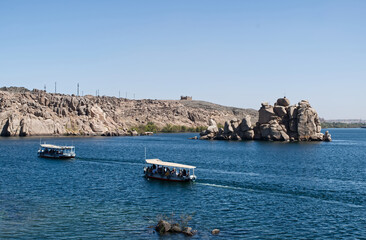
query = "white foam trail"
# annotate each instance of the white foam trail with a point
(220, 186)
(232, 173)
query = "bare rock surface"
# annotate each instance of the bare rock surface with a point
(281, 122)
(29, 113)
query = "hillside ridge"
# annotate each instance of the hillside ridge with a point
(36, 112)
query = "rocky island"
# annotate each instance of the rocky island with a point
(281, 122)
(36, 112)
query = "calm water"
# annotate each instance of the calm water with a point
(246, 189)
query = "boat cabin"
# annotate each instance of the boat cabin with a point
(54, 151)
(169, 171)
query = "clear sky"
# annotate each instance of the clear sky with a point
(236, 53)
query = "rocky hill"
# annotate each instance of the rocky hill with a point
(281, 122)
(29, 113)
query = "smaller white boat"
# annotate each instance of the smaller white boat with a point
(169, 171)
(54, 151)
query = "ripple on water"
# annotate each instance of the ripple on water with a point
(246, 189)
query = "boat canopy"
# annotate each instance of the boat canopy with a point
(170, 164)
(56, 147)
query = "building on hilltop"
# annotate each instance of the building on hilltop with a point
(189, 98)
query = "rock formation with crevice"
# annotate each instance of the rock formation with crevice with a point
(281, 122)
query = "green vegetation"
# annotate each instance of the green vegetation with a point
(149, 127)
(169, 128)
(219, 125)
(342, 125)
(176, 128)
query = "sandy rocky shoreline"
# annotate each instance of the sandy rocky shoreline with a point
(38, 113)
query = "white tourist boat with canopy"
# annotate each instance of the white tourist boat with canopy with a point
(169, 171)
(54, 151)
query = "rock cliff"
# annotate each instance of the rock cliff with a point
(27, 113)
(281, 122)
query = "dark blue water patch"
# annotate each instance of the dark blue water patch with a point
(249, 190)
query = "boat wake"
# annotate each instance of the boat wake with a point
(220, 186)
(111, 161)
(318, 196)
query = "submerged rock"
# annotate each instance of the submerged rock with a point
(163, 227)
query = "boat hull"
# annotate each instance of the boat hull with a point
(169, 178)
(55, 156)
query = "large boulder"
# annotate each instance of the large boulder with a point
(274, 131)
(248, 135)
(266, 113)
(188, 231)
(98, 127)
(212, 128)
(212, 122)
(11, 126)
(283, 102)
(327, 137)
(245, 124)
(176, 228)
(235, 124)
(228, 129)
(307, 122)
(280, 111)
(163, 227)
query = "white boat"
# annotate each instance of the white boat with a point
(169, 171)
(54, 151)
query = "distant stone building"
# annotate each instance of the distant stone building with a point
(186, 98)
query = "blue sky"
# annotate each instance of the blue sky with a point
(236, 53)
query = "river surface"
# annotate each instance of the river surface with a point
(249, 190)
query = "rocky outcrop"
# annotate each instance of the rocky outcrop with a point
(281, 122)
(27, 113)
(164, 227)
(327, 137)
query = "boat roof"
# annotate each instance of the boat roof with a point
(56, 147)
(170, 164)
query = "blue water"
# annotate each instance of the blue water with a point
(249, 190)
